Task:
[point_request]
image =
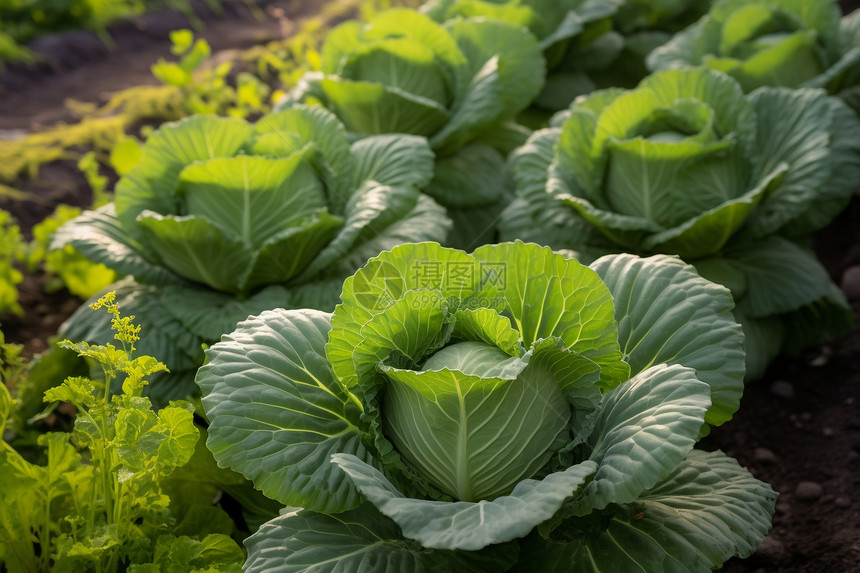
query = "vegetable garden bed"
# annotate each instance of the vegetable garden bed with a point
(797, 429)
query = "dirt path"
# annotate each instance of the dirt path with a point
(86, 70)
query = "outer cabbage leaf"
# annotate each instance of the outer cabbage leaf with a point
(278, 412)
(475, 185)
(705, 511)
(535, 215)
(209, 314)
(357, 540)
(100, 237)
(780, 277)
(465, 525)
(188, 245)
(152, 184)
(521, 65)
(642, 431)
(690, 324)
(814, 136)
(396, 160)
(424, 220)
(478, 168)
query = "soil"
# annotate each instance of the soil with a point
(78, 65)
(798, 428)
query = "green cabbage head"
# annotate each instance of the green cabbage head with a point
(791, 43)
(686, 164)
(223, 218)
(508, 409)
(460, 85)
(588, 44)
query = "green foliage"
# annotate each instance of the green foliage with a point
(792, 43)
(12, 51)
(460, 85)
(24, 20)
(125, 155)
(480, 404)
(686, 164)
(11, 251)
(206, 90)
(68, 267)
(12, 366)
(222, 218)
(101, 128)
(107, 508)
(588, 44)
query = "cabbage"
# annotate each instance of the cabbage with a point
(460, 85)
(222, 218)
(588, 44)
(506, 409)
(791, 43)
(686, 164)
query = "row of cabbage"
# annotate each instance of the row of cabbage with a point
(512, 408)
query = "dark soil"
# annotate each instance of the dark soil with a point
(798, 428)
(78, 65)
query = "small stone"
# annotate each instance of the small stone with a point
(826, 353)
(765, 456)
(782, 389)
(849, 401)
(808, 491)
(842, 502)
(827, 432)
(806, 416)
(851, 283)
